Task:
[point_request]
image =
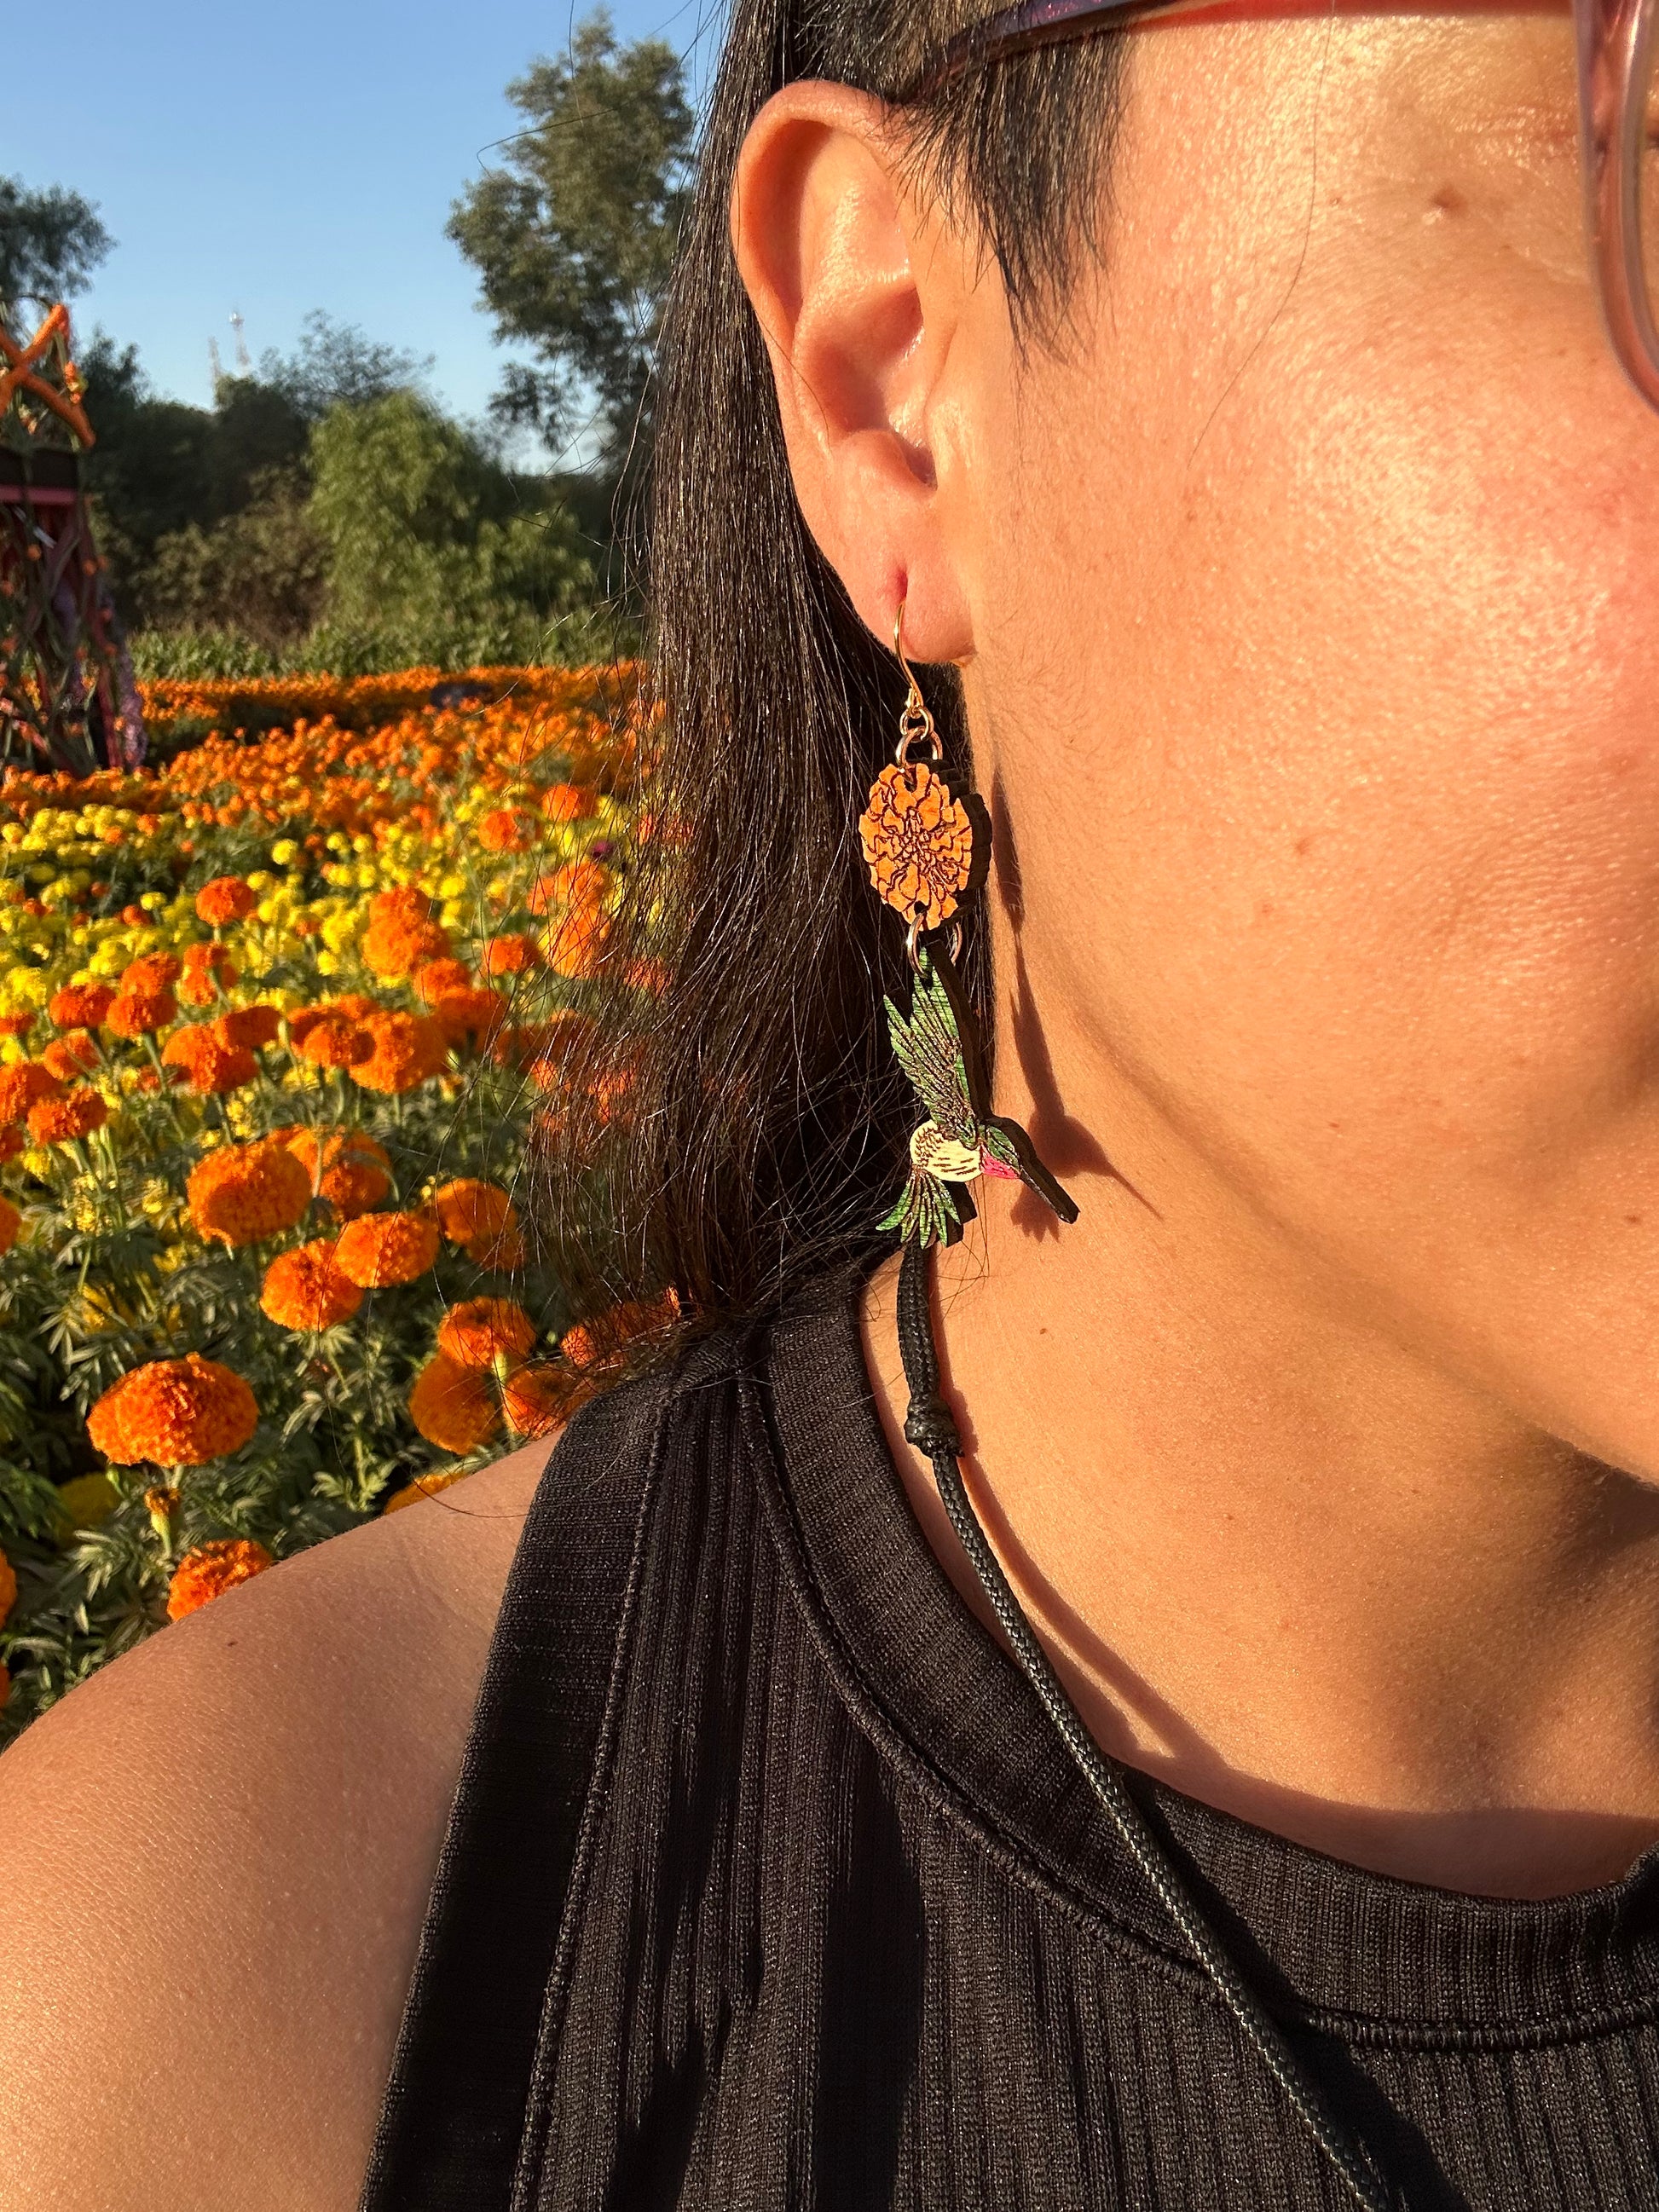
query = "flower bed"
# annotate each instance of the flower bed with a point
(276, 1025)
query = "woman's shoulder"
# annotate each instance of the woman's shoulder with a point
(221, 1850)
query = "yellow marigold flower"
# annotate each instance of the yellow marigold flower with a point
(306, 1289)
(207, 1571)
(227, 898)
(454, 1406)
(407, 1049)
(11, 1222)
(243, 1193)
(178, 1412)
(61, 1121)
(249, 1026)
(22, 1086)
(424, 1486)
(477, 1331)
(378, 1249)
(468, 1210)
(86, 1502)
(80, 1005)
(141, 1013)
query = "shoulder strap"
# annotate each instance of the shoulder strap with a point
(449, 2130)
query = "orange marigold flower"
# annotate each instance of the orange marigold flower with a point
(576, 945)
(579, 882)
(478, 1014)
(11, 1223)
(207, 1571)
(402, 898)
(454, 1406)
(438, 978)
(378, 1250)
(207, 970)
(12, 1141)
(5, 1683)
(244, 1193)
(306, 1289)
(353, 1187)
(141, 1013)
(227, 898)
(509, 955)
(80, 1005)
(919, 843)
(408, 1048)
(151, 971)
(504, 829)
(469, 1208)
(394, 944)
(336, 1041)
(211, 1065)
(178, 1412)
(61, 1121)
(316, 1149)
(249, 1026)
(602, 1340)
(17, 1025)
(477, 1331)
(536, 1399)
(66, 1057)
(8, 1587)
(500, 1254)
(424, 1485)
(568, 802)
(22, 1086)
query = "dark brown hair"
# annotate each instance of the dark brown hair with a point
(768, 1123)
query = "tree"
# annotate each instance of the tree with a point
(335, 365)
(574, 237)
(50, 242)
(260, 573)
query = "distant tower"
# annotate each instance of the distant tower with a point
(214, 364)
(244, 359)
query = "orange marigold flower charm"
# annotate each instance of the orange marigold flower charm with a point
(307, 1288)
(207, 1571)
(469, 1209)
(479, 1331)
(243, 1193)
(227, 898)
(924, 847)
(378, 1249)
(62, 1120)
(178, 1412)
(454, 1406)
(80, 1005)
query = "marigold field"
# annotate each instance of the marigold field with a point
(279, 1024)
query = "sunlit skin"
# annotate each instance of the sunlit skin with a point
(1304, 595)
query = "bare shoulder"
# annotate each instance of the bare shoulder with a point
(221, 1850)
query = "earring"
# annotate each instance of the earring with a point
(927, 847)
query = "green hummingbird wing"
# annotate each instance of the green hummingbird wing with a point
(930, 1052)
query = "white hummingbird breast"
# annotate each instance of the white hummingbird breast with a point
(931, 1152)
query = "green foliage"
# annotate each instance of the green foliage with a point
(335, 365)
(574, 237)
(424, 531)
(51, 241)
(261, 572)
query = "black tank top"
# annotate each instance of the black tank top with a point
(767, 1884)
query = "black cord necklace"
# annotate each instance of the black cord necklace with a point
(929, 1426)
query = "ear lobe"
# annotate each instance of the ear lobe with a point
(858, 308)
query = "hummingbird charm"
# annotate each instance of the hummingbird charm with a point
(961, 1140)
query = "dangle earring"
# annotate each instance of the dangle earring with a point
(927, 847)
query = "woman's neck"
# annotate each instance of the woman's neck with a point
(1289, 1566)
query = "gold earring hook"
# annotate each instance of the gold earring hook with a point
(916, 723)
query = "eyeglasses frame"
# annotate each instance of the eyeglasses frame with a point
(1613, 41)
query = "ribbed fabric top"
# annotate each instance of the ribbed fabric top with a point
(845, 1927)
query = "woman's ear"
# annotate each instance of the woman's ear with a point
(860, 293)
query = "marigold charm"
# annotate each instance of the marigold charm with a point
(919, 843)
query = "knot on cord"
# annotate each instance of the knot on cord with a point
(929, 1426)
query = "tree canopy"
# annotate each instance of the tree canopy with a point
(574, 235)
(51, 241)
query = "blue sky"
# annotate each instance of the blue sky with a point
(276, 159)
